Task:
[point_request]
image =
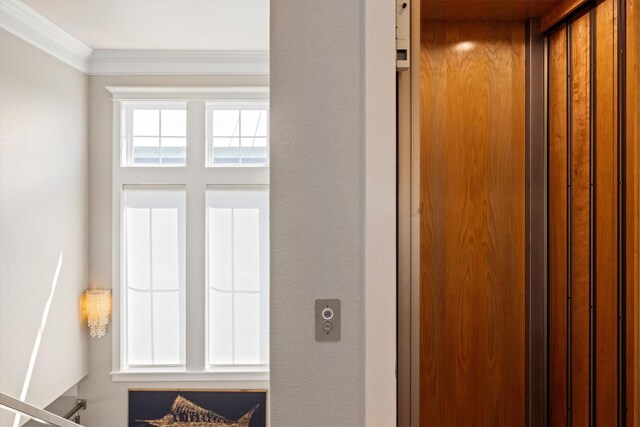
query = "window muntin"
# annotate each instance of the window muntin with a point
(154, 134)
(237, 275)
(153, 270)
(237, 134)
(193, 180)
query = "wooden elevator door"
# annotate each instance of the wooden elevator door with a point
(583, 219)
(472, 238)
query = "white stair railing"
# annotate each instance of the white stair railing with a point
(33, 412)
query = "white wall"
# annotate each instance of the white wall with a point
(332, 103)
(107, 401)
(380, 213)
(60, 406)
(43, 222)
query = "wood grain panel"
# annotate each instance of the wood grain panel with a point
(432, 258)
(580, 218)
(559, 12)
(472, 224)
(558, 227)
(478, 10)
(604, 216)
(632, 209)
(606, 212)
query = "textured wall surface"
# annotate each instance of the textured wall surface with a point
(43, 223)
(317, 199)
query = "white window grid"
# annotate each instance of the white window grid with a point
(245, 105)
(262, 291)
(195, 177)
(127, 287)
(127, 134)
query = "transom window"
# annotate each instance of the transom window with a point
(238, 134)
(154, 134)
(191, 182)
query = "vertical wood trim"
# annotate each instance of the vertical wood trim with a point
(592, 212)
(580, 220)
(569, 228)
(632, 214)
(416, 195)
(558, 230)
(536, 241)
(606, 184)
(622, 226)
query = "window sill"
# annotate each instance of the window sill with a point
(230, 374)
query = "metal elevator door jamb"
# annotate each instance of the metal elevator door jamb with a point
(407, 18)
(403, 35)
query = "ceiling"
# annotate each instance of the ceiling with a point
(499, 10)
(218, 25)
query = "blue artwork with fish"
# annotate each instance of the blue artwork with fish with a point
(197, 408)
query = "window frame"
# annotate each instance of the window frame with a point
(233, 105)
(195, 177)
(125, 288)
(126, 133)
(264, 297)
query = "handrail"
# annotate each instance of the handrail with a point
(38, 414)
(80, 405)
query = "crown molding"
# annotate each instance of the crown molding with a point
(165, 62)
(24, 22)
(251, 90)
(253, 93)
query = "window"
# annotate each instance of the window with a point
(237, 134)
(237, 274)
(154, 134)
(154, 275)
(190, 180)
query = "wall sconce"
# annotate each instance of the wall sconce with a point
(96, 307)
